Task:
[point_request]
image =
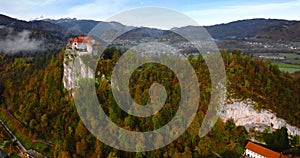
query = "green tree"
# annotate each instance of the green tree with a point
(277, 140)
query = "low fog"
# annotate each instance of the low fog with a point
(21, 41)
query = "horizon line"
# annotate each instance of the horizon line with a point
(96, 20)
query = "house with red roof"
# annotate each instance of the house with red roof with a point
(82, 43)
(253, 150)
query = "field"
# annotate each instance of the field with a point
(291, 68)
(290, 63)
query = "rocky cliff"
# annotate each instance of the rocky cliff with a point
(244, 114)
(75, 68)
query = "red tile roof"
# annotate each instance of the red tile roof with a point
(264, 151)
(82, 39)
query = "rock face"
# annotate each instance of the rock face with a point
(75, 69)
(244, 114)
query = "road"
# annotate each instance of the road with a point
(28, 153)
(15, 141)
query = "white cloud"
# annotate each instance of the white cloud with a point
(19, 42)
(288, 10)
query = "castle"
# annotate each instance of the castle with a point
(82, 44)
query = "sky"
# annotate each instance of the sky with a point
(204, 12)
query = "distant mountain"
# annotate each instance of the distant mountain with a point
(280, 33)
(20, 25)
(234, 35)
(33, 36)
(55, 33)
(74, 26)
(258, 35)
(143, 32)
(244, 29)
(238, 30)
(83, 27)
(62, 27)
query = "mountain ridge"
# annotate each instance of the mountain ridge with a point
(243, 29)
(233, 35)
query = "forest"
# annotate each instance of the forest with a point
(43, 116)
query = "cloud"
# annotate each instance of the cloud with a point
(19, 42)
(287, 10)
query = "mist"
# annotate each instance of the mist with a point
(21, 41)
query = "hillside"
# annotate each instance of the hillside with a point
(39, 25)
(139, 34)
(43, 109)
(244, 29)
(280, 33)
(83, 27)
(18, 36)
